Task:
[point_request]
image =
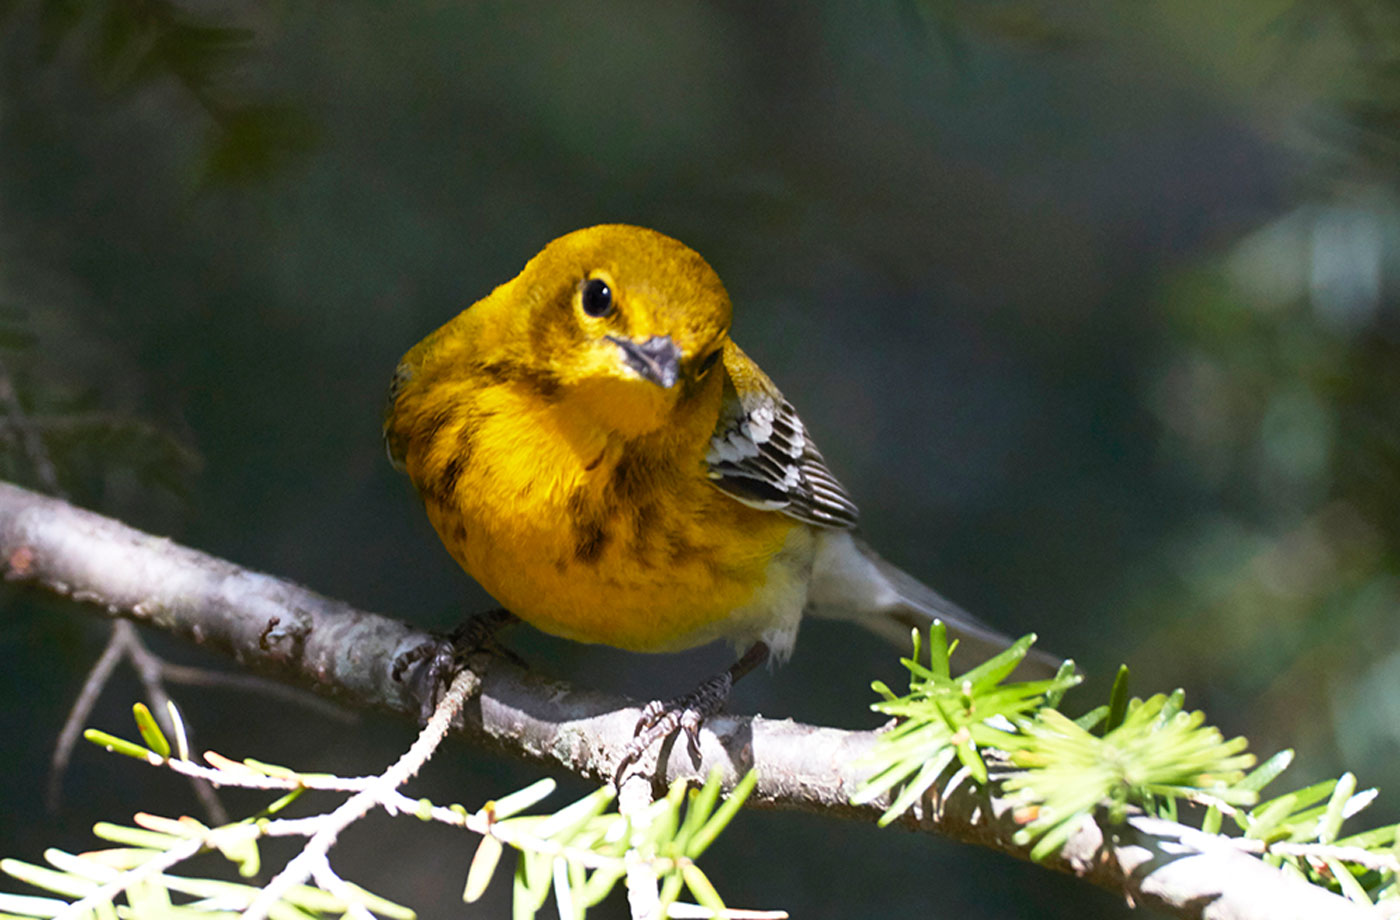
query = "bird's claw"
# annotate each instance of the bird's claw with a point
(442, 657)
(659, 720)
(434, 664)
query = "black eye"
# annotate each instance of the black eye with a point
(708, 363)
(597, 297)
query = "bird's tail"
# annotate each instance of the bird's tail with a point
(851, 582)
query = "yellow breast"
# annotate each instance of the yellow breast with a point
(592, 537)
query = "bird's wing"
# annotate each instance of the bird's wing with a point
(762, 455)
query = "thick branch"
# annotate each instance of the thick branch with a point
(286, 631)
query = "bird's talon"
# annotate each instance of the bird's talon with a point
(659, 720)
(690, 724)
(434, 663)
(443, 656)
(652, 713)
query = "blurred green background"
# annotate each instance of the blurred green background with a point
(1091, 306)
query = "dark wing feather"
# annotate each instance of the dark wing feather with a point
(762, 455)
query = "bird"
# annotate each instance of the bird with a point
(597, 452)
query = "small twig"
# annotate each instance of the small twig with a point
(505, 833)
(375, 795)
(1359, 856)
(1380, 862)
(97, 677)
(327, 878)
(251, 779)
(394, 802)
(148, 667)
(87, 905)
(120, 644)
(643, 889)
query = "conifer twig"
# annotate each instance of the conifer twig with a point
(76, 720)
(643, 890)
(377, 793)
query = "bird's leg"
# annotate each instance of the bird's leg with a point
(662, 719)
(445, 654)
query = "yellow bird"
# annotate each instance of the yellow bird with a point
(594, 449)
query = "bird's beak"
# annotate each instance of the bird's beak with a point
(657, 359)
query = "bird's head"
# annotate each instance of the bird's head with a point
(628, 321)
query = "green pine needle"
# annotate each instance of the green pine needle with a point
(945, 718)
(1157, 754)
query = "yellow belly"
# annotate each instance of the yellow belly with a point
(609, 541)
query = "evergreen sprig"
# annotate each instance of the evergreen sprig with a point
(576, 854)
(1127, 756)
(1158, 754)
(943, 718)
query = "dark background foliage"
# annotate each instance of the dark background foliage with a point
(1092, 308)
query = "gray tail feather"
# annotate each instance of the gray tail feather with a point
(851, 582)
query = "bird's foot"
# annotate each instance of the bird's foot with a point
(660, 720)
(442, 656)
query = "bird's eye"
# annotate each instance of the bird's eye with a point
(708, 363)
(597, 297)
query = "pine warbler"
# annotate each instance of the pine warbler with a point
(594, 449)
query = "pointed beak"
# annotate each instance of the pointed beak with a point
(657, 359)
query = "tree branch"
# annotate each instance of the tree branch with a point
(281, 629)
